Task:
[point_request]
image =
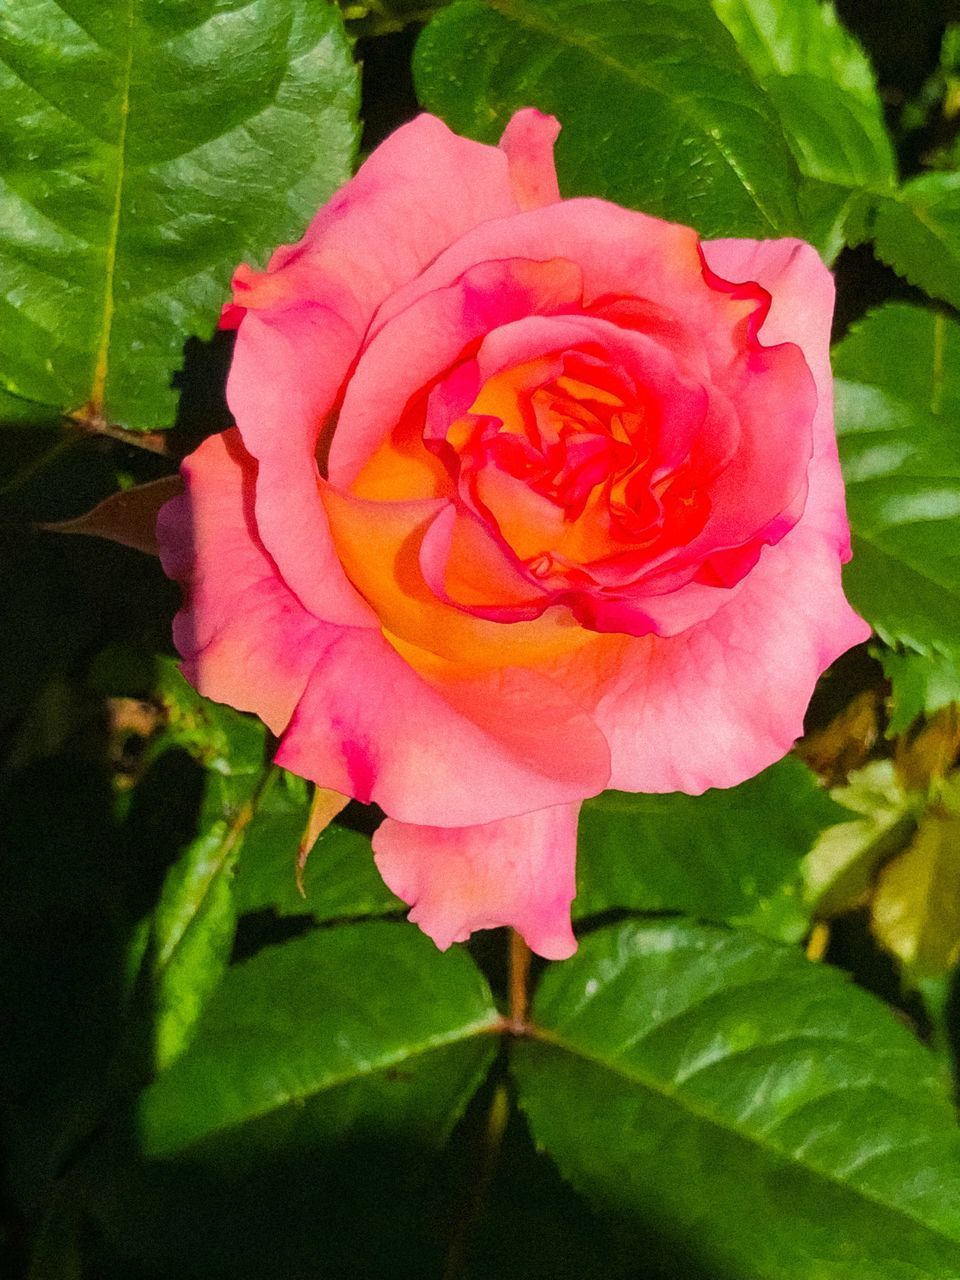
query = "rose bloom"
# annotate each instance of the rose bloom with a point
(526, 498)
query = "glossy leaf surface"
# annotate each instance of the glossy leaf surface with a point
(148, 148)
(918, 234)
(722, 1091)
(897, 403)
(306, 1036)
(723, 855)
(821, 84)
(703, 145)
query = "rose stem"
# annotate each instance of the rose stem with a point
(519, 970)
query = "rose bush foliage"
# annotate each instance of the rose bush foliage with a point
(526, 498)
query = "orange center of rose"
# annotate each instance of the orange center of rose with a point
(564, 465)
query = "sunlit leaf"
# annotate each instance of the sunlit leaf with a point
(725, 855)
(306, 1037)
(921, 684)
(897, 404)
(658, 110)
(840, 869)
(917, 232)
(195, 919)
(915, 912)
(755, 1111)
(147, 149)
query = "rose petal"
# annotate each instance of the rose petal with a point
(454, 754)
(355, 254)
(528, 143)
(721, 702)
(465, 566)
(404, 357)
(279, 417)
(379, 545)
(319, 296)
(618, 251)
(518, 872)
(801, 309)
(244, 637)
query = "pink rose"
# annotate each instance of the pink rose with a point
(527, 498)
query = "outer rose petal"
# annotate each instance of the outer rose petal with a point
(517, 872)
(801, 309)
(528, 142)
(441, 754)
(721, 702)
(421, 190)
(726, 699)
(291, 404)
(244, 637)
(319, 297)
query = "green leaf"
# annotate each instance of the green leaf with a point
(354, 1026)
(340, 878)
(839, 871)
(367, 19)
(921, 685)
(917, 232)
(748, 1104)
(897, 404)
(830, 214)
(17, 412)
(195, 919)
(821, 84)
(915, 912)
(725, 855)
(658, 110)
(221, 739)
(57, 1246)
(149, 147)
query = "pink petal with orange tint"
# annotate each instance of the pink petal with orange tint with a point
(421, 190)
(721, 702)
(403, 357)
(617, 251)
(371, 727)
(310, 311)
(518, 872)
(718, 704)
(279, 417)
(465, 566)
(244, 637)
